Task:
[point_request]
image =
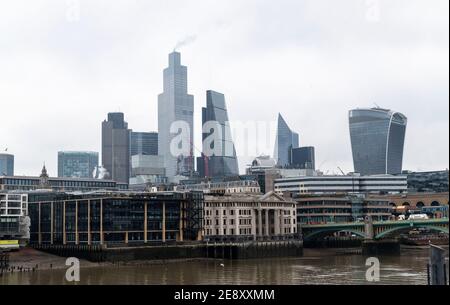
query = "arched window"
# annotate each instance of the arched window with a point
(406, 204)
(435, 204)
(420, 204)
(393, 205)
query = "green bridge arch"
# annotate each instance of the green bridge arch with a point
(311, 235)
(389, 231)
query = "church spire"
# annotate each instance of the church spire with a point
(44, 182)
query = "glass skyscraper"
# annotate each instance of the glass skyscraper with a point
(76, 164)
(286, 140)
(144, 143)
(224, 161)
(303, 158)
(175, 105)
(6, 165)
(377, 138)
(116, 147)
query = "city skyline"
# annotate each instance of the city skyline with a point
(128, 79)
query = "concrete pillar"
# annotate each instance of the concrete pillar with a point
(64, 223)
(181, 225)
(220, 222)
(101, 222)
(236, 223)
(260, 227)
(277, 221)
(254, 223)
(89, 222)
(437, 268)
(267, 223)
(164, 222)
(145, 223)
(368, 228)
(51, 222)
(39, 225)
(77, 235)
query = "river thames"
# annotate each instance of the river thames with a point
(324, 267)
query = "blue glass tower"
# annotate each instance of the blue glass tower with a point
(223, 163)
(286, 140)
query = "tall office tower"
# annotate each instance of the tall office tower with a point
(116, 147)
(6, 165)
(377, 138)
(286, 140)
(176, 113)
(77, 164)
(303, 158)
(219, 154)
(144, 143)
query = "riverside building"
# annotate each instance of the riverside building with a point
(114, 218)
(249, 216)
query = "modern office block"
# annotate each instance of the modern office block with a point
(303, 158)
(286, 140)
(126, 218)
(144, 143)
(377, 138)
(77, 164)
(116, 147)
(175, 111)
(219, 154)
(342, 184)
(6, 165)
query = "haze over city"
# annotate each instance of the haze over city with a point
(66, 64)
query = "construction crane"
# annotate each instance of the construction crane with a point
(341, 171)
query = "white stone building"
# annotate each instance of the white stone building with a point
(249, 216)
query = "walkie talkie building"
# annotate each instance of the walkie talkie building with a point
(377, 138)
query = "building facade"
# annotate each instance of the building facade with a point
(77, 164)
(147, 171)
(116, 147)
(175, 112)
(144, 143)
(114, 218)
(285, 141)
(436, 181)
(340, 209)
(223, 188)
(14, 220)
(6, 165)
(377, 139)
(219, 154)
(341, 184)
(304, 158)
(243, 216)
(19, 183)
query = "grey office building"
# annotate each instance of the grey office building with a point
(219, 154)
(6, 165)
(175, 105)
(377, 138)
(116, 147)
(286, 140)
(303, 158)
(144, 143)
(77, 164)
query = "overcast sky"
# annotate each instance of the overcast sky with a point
(65, 64)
